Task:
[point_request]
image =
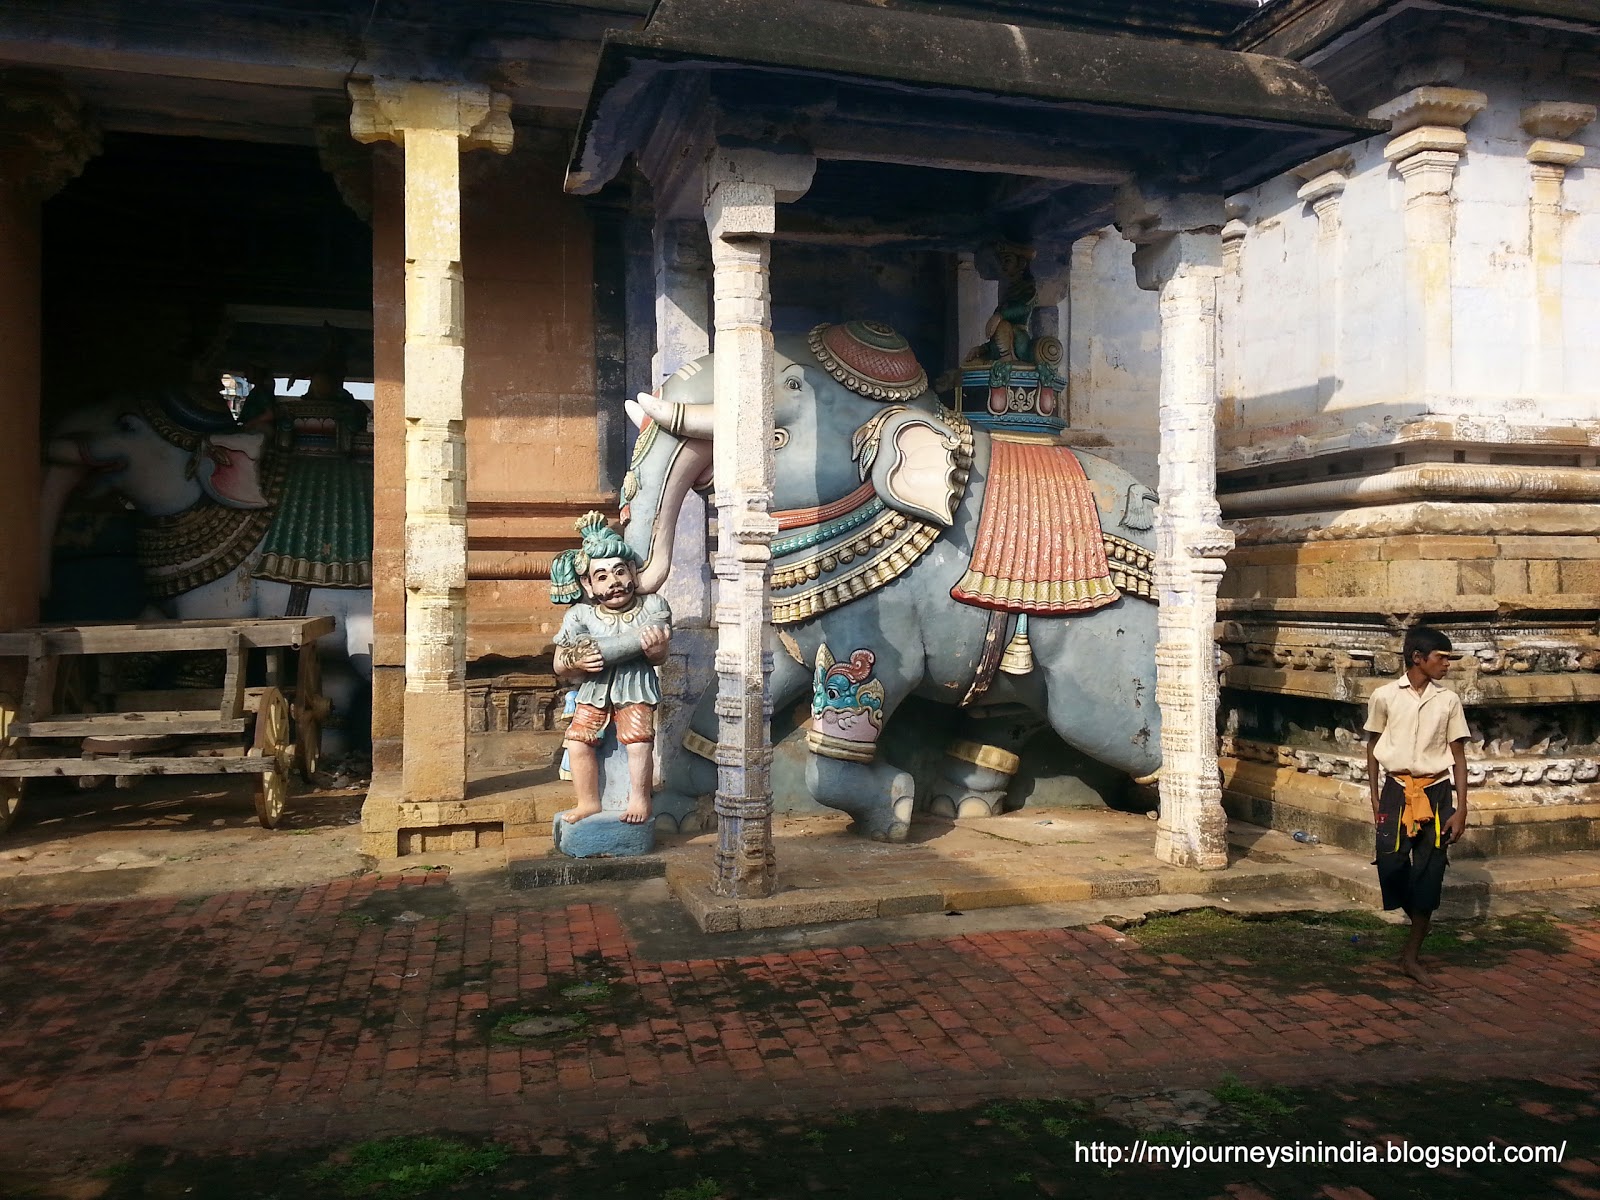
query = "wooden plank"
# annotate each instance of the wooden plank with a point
(46, 768)
(172, 699)
(230, 706)
(162, 636)
(39, 686)
(131, 724)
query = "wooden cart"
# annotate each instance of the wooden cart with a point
(236, 730)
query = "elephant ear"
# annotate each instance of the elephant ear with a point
(912, 459)
(1139, 508)
(228, 468)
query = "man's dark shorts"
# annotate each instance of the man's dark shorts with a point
(1411, 868)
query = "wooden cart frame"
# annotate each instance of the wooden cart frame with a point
(262, 731)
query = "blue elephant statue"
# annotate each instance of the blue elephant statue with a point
(917, 554)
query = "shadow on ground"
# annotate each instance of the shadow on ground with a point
(1023, 1148)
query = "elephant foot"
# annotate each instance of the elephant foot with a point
(877, 796)
(677, 812)
(974, 779)
(955, 804)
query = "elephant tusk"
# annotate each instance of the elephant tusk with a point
(635, 413)
(680, 420)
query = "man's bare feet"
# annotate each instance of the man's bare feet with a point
(1415, 969)
(573, 815)
(638, 811)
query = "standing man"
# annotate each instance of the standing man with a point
(610, 646)
(1416, 733)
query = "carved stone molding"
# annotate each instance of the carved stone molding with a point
(1556, 120)
(1521, 771)
(46, 136)
(1446, 107)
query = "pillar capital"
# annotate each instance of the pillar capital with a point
(46, 137)
(385, 110)
(744, 185)
(1430, 106)
(1171, 232)
(1556, 121)
(1324, 180)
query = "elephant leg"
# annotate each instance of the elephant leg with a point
(879, 797)
(687, 776)
(978, 766)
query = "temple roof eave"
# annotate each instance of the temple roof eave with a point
(904, 52)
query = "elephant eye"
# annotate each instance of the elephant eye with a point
(780, 438)
(792, 383)
(127, 424)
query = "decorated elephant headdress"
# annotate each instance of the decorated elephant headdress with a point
(870, 359)
(600, 541)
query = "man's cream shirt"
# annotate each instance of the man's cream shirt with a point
(1416, 730)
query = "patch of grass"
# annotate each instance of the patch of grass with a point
(1324, 947)
(406, 1166)
(700, 1189)
(1255, 1106)
(503, 1029)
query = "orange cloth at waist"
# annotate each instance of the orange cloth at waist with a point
(1418, 808)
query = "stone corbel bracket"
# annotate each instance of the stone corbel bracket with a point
(46, 136)
(383, 109)
(1551, 125)
(1169, 231)
(1427, 138)
(1324, 179)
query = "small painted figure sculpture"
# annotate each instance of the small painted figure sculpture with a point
(610, 645)
(1013, 380)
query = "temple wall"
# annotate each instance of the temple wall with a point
(1113, 363)
(1408, 430)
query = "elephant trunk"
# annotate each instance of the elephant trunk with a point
(60, 479)
(689, 465)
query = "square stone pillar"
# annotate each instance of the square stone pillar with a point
(45, 139)
(1178, 252)
(433, 123)
(743, 189)
(1426, 147)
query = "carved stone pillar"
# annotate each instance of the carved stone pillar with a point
(1426, 145)
(743, 189)
(434, 123)
(45, 140)
(1178, 252)
(1551, 125)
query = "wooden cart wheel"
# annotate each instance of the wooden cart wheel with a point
(273, 741)
(10, 747)
(310, 707)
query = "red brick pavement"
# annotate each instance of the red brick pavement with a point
(252, 1016)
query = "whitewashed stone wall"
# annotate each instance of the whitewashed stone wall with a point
(1319, 351)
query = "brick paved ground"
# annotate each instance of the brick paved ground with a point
(332, 1012)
